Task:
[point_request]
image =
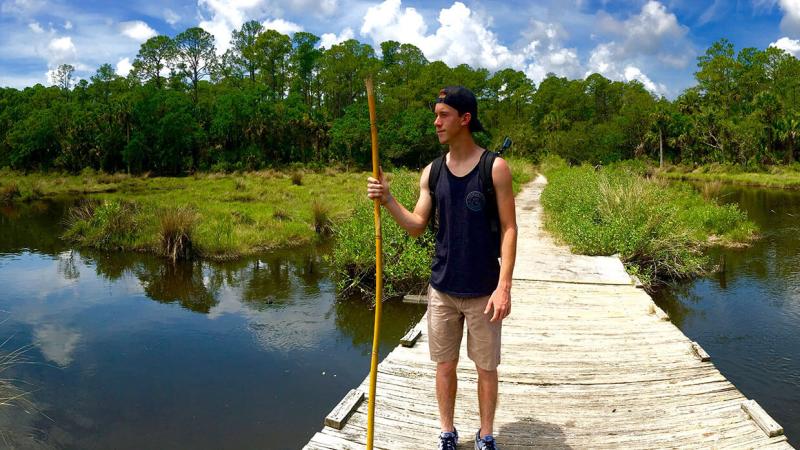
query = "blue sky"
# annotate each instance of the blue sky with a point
(655, 42)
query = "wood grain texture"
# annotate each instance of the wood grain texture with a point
(588, 362)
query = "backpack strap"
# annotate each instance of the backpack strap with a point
(485, 174)
(433, 180)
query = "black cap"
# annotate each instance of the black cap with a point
(463, 100)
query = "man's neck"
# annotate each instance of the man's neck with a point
(463, 147)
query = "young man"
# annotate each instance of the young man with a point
(467, 281)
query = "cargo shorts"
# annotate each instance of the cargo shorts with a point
(446, 317)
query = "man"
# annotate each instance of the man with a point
(467, 282)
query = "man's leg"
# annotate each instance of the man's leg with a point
(446, 386)
(487, 399)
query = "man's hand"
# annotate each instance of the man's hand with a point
(500, 301)
(378, 188)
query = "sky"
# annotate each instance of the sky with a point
(655, 42)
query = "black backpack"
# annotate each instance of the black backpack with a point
(485, 176)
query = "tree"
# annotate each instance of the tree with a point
(62, 76)
(243, 44)
(789, 132)
(196, 55)
(304, 61)
(155, 55)
(272, 54)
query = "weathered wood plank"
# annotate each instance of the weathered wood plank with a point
(338, 416)
(411, 337)
(764, 421)
(701, 354)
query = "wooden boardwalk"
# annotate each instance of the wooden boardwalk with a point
(588, 362)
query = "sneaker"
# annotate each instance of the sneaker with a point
(448, 441)
(487, 443)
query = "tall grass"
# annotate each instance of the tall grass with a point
(9, 192)
(176, 228)
(658, 229)
(107, 225)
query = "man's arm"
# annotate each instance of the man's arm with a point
(413, 222)
(500, 300)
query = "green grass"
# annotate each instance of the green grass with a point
(233, 215)
(786, 177)
(659, 229)
(407, 260)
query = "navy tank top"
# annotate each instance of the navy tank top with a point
(465, 261)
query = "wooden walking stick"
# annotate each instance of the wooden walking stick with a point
(373, 373)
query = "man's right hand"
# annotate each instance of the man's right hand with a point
(378, 188)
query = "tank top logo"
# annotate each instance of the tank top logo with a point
(476, 201)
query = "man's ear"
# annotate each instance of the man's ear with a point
(465, 119)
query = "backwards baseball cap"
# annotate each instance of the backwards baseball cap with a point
(463, 100)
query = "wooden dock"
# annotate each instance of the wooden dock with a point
(588, 362)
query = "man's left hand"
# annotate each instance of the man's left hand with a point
(500, 301)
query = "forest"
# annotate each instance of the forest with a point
(274, 100)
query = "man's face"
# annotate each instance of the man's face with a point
(448, 123)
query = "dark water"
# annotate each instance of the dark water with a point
(127, 352)
(748, 317)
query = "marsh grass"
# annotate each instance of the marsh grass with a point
(9, 192)
(783, 176)
(175, 232)
(659, 229)
(297, 178)
(323, 225)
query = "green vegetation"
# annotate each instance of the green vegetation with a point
(787, 177)
(212, 215)
(407, 260)
(658, 229)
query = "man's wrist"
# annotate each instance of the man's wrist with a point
(388, 199)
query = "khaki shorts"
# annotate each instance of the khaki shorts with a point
(446, 315)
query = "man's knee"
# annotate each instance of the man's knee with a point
(447, 367)
(486, 374)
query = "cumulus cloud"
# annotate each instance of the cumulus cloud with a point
(653, 32)
(328, 40)
(61, 50)
(790, 23)
(791, 46)
(632, 73)
(124, 67)
(462, 36)
(605, 60)
(545, 52)
(137, 30)
(68, 25)
(283, 26)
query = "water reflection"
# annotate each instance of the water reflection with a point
(131, 352)
(746, 315)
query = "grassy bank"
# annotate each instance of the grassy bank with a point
(406, 260)
(785, 177)
(659, 229)
(211, 215)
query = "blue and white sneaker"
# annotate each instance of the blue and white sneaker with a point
(448, 440)
(487, 443)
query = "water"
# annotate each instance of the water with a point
(747, 317)
(127, 352)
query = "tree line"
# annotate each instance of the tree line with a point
(273, 99)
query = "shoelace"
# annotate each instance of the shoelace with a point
(447, 443)
(488, 445)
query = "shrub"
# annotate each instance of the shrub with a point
(175, 232)
(9, 192)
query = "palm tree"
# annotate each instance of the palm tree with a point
(788, 132)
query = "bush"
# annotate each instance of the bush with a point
(9, 192)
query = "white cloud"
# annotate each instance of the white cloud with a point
(790, 23)
(124, 67)
(634, 73)
(68, 25)
(653, 32)
(462, 37)
(61, 50)
(137, 30)
(328, 40)
(546, 53)
(35, 27)
(171, 17)
(22, 8)
(791, 46)
(282, 26)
